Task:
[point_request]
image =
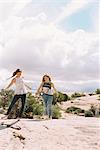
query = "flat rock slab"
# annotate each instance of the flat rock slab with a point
(72, 133)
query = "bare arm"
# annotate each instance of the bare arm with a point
(40, 87)
(27, 86)
(11, 83)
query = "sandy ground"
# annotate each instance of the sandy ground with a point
(72, 133)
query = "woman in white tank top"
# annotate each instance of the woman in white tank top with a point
(20, 91)
(20, 86)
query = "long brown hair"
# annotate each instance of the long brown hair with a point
(43, 79)
(15, 72)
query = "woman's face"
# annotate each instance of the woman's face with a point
(46, 79)
(19, 74)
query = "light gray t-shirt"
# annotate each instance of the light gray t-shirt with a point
(20, 86)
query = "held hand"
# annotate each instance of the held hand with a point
(37, 95)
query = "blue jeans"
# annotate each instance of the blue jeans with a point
(48, 99)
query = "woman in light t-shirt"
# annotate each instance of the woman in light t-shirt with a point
(20, 91)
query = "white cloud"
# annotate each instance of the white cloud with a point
(35, 46)
(44, 48)
(11, 7)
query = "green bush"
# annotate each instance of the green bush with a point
(75, 95)
(93, 109)
(60, 97)
(30, 100)
(5, 98)
(74, 110)
(0, 103)
(56, 114)
(38, 109)
(89, 113)
(91, 94)
(97, 91)
(78, 111)
(33, 107)
(99, 97)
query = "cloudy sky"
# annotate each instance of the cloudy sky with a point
(56, 37)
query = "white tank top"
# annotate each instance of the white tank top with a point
(20, 86)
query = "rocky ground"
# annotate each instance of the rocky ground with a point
(71, 133)
(82, 102)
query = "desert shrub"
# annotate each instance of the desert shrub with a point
(5, 97)
(33, 107)
(30, 101)
(99, 97)
(38, 109)
(97, 91)
(78, 111)
(91, 94)
(93, 109)
(75, 95)
(55, 99)
(56, 114)
(89, 113)
(1, 102)
(60, 97)
(74, 110)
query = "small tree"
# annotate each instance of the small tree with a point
(5, 97)
(75, 95)
(56, 112)
(33, 107)
(74, 110)
(97, 91)
(89, 113)
(99, 97)
(60, 97)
